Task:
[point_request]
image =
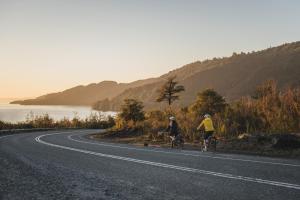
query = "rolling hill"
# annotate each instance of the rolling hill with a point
(233, 77)
(84, 95)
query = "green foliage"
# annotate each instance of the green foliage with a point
(208, 101)
(169, 91)
(95, 120)
(132, 110)
(268, 111)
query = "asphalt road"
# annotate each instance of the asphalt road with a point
(67, 165)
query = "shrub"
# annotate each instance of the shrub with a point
(95, 120)
(208, 101)
(132, 111)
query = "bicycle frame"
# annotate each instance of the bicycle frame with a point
(212, 143)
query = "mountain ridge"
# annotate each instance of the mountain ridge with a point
(233, 77)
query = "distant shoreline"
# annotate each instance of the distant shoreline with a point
(22, 104)
(14, 113)
(9, 100)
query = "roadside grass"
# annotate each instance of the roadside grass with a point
(94, 121)
(267, 123)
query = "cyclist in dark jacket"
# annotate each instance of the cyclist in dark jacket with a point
(173, 127)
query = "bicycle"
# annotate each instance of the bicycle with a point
(212, 143)
(175, 141)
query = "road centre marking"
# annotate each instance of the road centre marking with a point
(181, 168)
(70, 137)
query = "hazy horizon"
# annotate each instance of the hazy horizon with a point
(49, 46)
(9, 99)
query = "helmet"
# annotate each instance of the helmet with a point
(172, 118)
(207, 116)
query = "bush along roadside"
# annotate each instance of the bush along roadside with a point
(268, 121)
(94, 121)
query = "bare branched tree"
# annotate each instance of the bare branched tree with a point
(169, 91)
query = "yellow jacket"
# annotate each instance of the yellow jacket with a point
(208, 124)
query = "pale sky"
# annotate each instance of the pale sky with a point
(49, 46)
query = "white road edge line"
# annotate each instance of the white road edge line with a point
(229, 176)
(70, 137)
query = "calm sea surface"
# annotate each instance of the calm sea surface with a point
(18, 113)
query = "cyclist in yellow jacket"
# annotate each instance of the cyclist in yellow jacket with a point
(209, 129)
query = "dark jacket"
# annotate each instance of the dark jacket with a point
(173, 128)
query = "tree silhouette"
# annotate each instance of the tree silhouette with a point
(132, 110)
(208, 101)
(169, 91)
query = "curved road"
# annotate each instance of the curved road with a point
(67, 165)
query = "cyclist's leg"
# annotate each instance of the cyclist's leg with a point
(205, 141)
(172, 140)
(208, 138)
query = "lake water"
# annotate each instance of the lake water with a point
(18, 113)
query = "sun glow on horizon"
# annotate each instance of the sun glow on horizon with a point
(50, 46)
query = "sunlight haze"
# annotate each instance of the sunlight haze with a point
(50, 46)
